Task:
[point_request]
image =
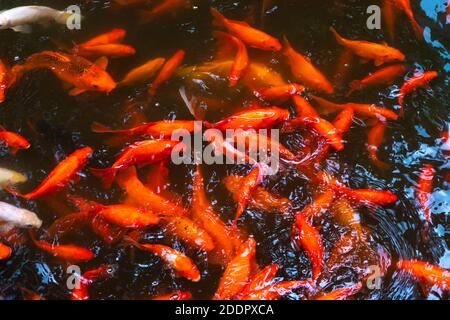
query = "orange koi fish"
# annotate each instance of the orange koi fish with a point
(385, 75)
(164, 8)
(5, 252)
(366, 110)
(248, 185)
(281, 93)
(342, 294)
(310, 241)
(182, 264)
(142, 73)
(241, 60)
(177, 295)
(303, 108)
(89, 277)
(389, 14)
(237, 272)
(320, 204)
(61, 175)
(142, 196)
(189, 231)
(13, 140)
(379, 53)
(4, 80)
(69, 253)
(257, 118)
(75, 70)
(430, 274)
(375, 138)
(276, 291)
(156, 130)
(424, 189)
(113, 36)
(304, 71)
(261, 199)
(166, 72)
(405, 6)
(376, 197)
(322, 126)
(261, 280)
(225, 238)
(139, 153)
(252, 37)
(345, 215)
(128, 216)
(157, 178)
(413, 84)
(109, 233)
(111, 50)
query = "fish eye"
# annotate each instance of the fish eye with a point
(95, 86)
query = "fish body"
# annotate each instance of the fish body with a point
(10, 177)
(342, 294)
(379, 53)
(61, 175)
(413, 84)
(142, 73)
(4, 80)
(128, 216)
(382, 76)
(430, 274)
(252, 37)
(82, 291)
(111, 50)
(139, 153)
(19, 17)
(167, 71)
(18, 217)
(424, 190)
(375, 139)
(405, 6)
(112, 36)
(14, 141)
(304, 71)
(75, 70)
(279, 92)
(69, 252)
(259, 118)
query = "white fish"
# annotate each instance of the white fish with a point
(11, 216)
(20, 18)
(10, 177)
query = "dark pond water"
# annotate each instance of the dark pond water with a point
(57, 124)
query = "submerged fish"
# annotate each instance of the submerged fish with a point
(10, 177)
(13, 216)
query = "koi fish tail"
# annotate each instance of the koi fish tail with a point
(219, 19)
(338, 37)
(107, 176)
(14, 192)
(418, 30)
(100, 128)
(324, 106)
(354, 85)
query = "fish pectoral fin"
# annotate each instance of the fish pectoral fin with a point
(102, 62)
(76, 91)
(23, 28)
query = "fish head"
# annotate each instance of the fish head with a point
(395, 55)
(4, 22)
(101, 81)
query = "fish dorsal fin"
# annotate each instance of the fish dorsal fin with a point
(102, 62)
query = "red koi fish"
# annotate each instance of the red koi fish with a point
(413, 84)
(257, 118)
(182, 264)
(310, 241)
(237, 272)
(376, 197)
(141, 196)
(303, 108)
(13, 140)
(379, 53)
(365, 110)
(241, 60)
(405, 6)
(4, 80)
(261, 199)
(342, 294)
(177, 295)
(248, 185)
(61, 175)
(252, 37)
(375, 138)
(304, 71)
(429, 274)
(319, 204)
(261, 280)
(385, 75)
(322, 126)
(166, 71)
(139, 153)
(424, 189)
(5, 252)
(280, 93)
(113, 36)
(75, 70)
(69, 252)
(128, 216)
(156, 130)
(225, 238)
(89, 277)
(111, 50)
(189, 231)
(389, 16)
